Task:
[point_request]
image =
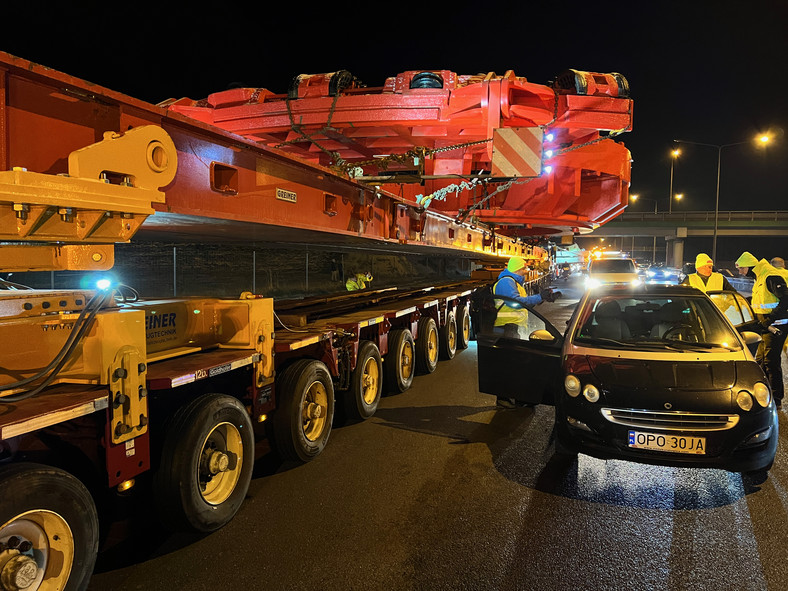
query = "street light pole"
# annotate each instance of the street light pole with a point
(673, 155)
(764, 139)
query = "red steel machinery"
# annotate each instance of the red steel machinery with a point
(525, 158)
(100, 386)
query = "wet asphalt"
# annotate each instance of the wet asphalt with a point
(442, 490)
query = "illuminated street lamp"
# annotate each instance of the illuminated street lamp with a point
(762, 140)
(674, 153)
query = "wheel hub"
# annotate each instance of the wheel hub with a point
(18, 573)
(314, 411)
(218, 462)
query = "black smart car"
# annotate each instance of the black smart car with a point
(654, 374)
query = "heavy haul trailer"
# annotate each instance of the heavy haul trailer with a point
(100, 387)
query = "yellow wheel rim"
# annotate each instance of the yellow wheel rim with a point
(220, 463)
(466, 328)
(314, 411)
(406, 360)
(432, 346)
(47, 563)
(370, 378)
(452, 336)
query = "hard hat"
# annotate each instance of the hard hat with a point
(746, 259)
(702, 260)
(515, 264)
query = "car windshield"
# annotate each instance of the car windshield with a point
(649, 323)
(612, 266)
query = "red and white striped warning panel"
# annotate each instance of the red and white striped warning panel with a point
(517, 152)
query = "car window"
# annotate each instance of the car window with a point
(733, 306)
(650, 323)
(612, 266)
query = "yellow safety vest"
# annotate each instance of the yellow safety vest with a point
(357, 282)
(507, 314)
(714, 282)
(764, 301)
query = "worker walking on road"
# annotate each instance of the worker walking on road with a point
(770, 304)
(512, 299)
(358, 281)
(704, 278)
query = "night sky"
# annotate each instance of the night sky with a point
(709, 72)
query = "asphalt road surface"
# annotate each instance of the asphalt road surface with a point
(442, 490)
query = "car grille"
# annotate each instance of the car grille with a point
(670, 420)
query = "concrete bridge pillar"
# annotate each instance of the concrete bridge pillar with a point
(675, 248)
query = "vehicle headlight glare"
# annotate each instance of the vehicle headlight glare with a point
(744, 400)
(762, 394)
(572, 385)
(591, 393)
(636, 282)
(592, 283)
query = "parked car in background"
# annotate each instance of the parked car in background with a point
(653, 374)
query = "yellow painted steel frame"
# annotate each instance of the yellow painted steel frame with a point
(107, 195)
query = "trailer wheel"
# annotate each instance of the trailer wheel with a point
(366, 385)
(49, 532)
(302, 421)
(463, 327)
(449, 336)
(398, 363)
(427, 346)
(206, 463)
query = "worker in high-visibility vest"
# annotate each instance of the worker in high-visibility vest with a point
(359, 281)
(770, 304)
(511, 311)
(704, 278)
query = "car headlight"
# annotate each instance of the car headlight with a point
(592, 283)
(635, 282)
(762, 394)
(744, 400)
(591, 393)
(572, 385)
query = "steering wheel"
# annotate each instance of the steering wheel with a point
(679, 329)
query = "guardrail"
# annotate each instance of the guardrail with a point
(705, 216)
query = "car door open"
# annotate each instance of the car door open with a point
(522, 363)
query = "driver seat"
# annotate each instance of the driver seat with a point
(669, 315)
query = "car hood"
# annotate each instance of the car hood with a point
(614, 277)
(642, 374)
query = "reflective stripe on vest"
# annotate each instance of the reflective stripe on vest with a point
(714, 282)
(507, 314)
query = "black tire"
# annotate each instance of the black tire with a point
(36, 499)
(463, 327)
(449, 336)
(305, 410)
(366, 383)
(427, 346)
(206, 464)
(398, 365)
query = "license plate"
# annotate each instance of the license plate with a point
(666, 442)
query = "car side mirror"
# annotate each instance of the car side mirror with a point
(752, 340)
(541, 335)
